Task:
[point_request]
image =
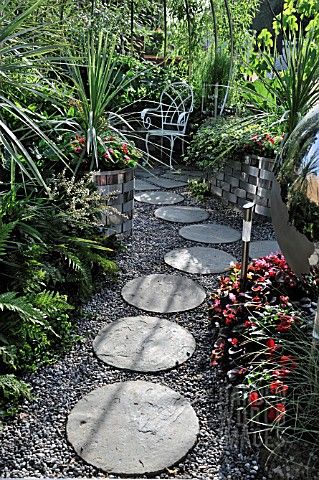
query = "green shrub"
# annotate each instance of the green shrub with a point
(51, 252)
(198, 188)
(234, 137)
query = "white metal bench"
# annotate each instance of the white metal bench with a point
(171, 115)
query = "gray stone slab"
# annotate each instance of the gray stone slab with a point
(182, 177)
(144, 344)
(144, 186)
(132, 428)
(142, 173)
(166, 182)
(203, 260)
(182, 214)
(210, 233)
(163, 293)
(262, 248)
(159, 198)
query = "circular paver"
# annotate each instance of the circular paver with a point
(262, 248)
(159, 198)
(201, 260)
(163, 293)
(144, 186)
(132, 428)
(181, 214)
(210, 233)
(166, 182)
(144, 344)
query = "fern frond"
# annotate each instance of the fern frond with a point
(107, 265)
(5, 232)
(12, 388)
(10, 301)
(78, 265)
(50, 301)
(92, 244)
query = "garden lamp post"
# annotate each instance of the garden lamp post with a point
(246, 234)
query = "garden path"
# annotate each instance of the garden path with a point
(139, 427)
(168, 399)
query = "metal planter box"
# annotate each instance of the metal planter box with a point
(120, 182)
(247, 181)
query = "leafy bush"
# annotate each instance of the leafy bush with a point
(147, 81)
(198, 188)
(11, 390)
(51, 251)
(234, 137)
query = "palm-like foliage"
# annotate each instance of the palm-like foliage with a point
(24, 60)
(292, 78)
(97, 84)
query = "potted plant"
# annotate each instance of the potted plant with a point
(113, 174)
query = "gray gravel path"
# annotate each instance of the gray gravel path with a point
(33, 443)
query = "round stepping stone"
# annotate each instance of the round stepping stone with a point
(144, 186)
(210, 233)
(166, 182)
(144, 344)
(181, 177)
(132, 428)
(181, 214)
(159, 198)
(262, 248)
(142, 174)
(202, 260)
(163, 293)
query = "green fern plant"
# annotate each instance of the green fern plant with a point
(12, 390)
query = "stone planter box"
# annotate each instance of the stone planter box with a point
(247, 181)
(120, 182)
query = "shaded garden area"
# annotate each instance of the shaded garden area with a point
(132, 339)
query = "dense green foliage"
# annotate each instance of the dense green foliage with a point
(232, 138)
(50, 253)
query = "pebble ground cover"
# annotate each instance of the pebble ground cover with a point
(34, 442)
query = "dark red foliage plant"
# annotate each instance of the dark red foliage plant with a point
(251, 327)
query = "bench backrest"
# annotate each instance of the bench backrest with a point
(176, 102)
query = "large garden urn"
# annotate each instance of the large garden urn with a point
(301, 166)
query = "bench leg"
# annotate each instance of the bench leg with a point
(171, 152)
(146, 148)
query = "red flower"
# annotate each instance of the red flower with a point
(284, 300)
(271, 343)
(233, 297)
(248, 323)
(230, 318)
(288, 361)
(276, 413)
(78, 149)
(285, 324)
(124, 148)
(277, 387)
(254, 399)
(256, 299)
(281, 372)
(234, 341)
